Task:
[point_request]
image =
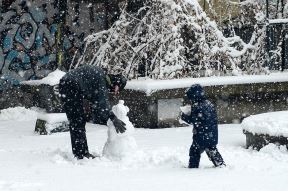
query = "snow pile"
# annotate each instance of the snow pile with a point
(165, 39)
(52, 79)
(276, 151)
(273, 124)
(120, 145)
(17, 114)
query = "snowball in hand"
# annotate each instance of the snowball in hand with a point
(119, 145)
(186, 109)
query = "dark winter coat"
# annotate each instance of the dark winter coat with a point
(203, 118)
(91, 81)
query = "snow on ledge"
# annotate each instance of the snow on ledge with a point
(278, 21)
(273, 124)
(52, 79)
(149, 86)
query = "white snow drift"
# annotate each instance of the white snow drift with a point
(30, 162)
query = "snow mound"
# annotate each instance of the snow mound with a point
(273, 123)
(275, 150)
(120, 145)
(17, 114)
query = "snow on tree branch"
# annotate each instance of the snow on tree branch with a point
(165, 39)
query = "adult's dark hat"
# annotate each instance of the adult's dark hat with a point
(118, 80)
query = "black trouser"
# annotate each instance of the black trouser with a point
(212, 152)
(72, 99)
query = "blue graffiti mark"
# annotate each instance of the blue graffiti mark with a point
(16, 66)
(2, 59)
(38, 14)
(44, 32)
(7, 43)
(9, 39)
(21, 61)
(5, 24)
(26, 31)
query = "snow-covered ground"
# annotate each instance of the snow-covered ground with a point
(30, 162)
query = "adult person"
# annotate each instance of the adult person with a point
(93, 84)
(203, 117)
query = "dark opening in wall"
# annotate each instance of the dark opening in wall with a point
(91, 13)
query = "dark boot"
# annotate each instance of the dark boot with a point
(195, 154)
(89, 156)
(215, 157)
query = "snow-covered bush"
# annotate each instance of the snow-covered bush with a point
(253, 14)
(165, 39)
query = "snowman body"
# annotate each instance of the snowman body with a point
(119, 145)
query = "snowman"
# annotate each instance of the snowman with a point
(119, 145)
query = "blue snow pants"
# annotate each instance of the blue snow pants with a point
(213, 154)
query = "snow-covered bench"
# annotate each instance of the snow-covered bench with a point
(48, 123)
(266, 128)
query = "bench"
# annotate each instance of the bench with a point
(262, 129)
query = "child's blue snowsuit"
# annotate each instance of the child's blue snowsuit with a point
(205, 127)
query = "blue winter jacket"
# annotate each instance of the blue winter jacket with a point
(203, 118)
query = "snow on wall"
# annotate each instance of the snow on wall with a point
(278, 21)
(149, 86)
(52, 79)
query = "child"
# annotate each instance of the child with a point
(203, 117)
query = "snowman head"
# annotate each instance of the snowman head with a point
(120, 110)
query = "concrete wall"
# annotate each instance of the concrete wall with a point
(233, 103)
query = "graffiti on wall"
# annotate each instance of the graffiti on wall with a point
(28, 40)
